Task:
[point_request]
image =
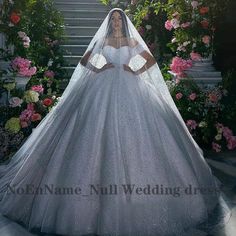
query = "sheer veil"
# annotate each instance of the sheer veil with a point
(83, 77)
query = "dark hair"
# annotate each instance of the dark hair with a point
(124, 23)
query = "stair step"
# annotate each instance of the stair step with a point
(83, 21)
(69, 70)
(208, 80)
(72, 60)
(77, 39)
(81, 30)
(199, 74)
(79, 5)
(80, 1)
(74, 49)
(84, 13)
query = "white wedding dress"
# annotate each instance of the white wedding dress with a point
(117, 131)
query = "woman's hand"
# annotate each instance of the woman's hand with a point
(106, 66)
(127, 68)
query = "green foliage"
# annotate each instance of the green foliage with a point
(105, 2)
(43, 24)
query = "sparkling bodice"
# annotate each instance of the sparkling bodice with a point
(118, 56)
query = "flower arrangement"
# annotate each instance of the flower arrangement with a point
(202, 112)
(23, 67)
(193, 25)
(26, 109)
(33, 29)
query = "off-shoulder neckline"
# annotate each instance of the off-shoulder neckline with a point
(120, 46)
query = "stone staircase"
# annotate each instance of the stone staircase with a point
(204, 73)
(82, 20)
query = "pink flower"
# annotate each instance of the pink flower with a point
(47, 102)
(191, 124)
(36, 117)
(24, 124)
(37, 88)
(195, 56)
(179, 96)
(26, 115)
(22, 66)
(175, 23)
(21, 34)
(213, 97)
(49, 74)
(26, 39)
(26, 44)
(15, 102)
(219, 126)
(204, 10)
(15, 18)
(231, 143)
(30, 106)
(194, 4)
(192, 96)
(185, 25)
(216, 147)
(227, 133)
(178, 65)
(168, 25)
(205, 24)
(206, 39)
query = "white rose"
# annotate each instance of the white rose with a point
(148, 27)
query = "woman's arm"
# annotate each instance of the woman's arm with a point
(150, 61)
(84, 61)
(138, 49)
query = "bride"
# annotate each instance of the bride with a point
(114, 156)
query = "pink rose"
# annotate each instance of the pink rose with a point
(231, 143)
(179, 96)
(194, 4)
(204, 10)
(192, 96)
(36, 117)
(205, 24)
(206, 39)
(37, 88)
(23, 124)
(178, 65)
(195, 56)
(15, 102)
(185, 25)
(227, 132)
(21, 34)
(216, 147)
(213, 97)
(168, 25)
(191, 124)
(49, 74)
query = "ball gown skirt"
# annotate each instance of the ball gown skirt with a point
(115, 161)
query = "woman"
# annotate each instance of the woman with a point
(114, 157)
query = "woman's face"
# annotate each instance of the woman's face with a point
(116, 21)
